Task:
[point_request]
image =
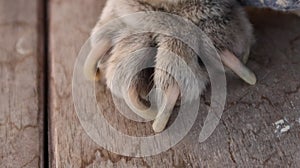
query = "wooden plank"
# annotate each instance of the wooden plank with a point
(245, 137)
(69, 28)
(21, 87)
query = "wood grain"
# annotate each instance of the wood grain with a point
(21, 87)
(245, 137)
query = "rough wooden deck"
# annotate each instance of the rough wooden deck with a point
(37, 97)
(21, 84)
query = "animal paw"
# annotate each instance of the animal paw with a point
(139, 65)
(152, 72)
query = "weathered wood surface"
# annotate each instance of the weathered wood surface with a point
(21, 90)
(70, 24)
(246, 135)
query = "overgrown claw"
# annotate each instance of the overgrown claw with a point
(91, 70)
(232, 62)
(138, 106)
(165, 111)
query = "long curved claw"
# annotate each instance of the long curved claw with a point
(165, 111)
(91, 70)
(232, 62)
(139, 107)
